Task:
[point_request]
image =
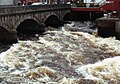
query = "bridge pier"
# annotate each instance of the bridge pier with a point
(106, 26)
(13, 36)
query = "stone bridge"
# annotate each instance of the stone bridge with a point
(22, 19)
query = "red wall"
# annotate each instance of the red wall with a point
(113, 6)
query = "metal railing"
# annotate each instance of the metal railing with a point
(93, 4)
(103, 2)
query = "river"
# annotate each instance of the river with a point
(72, 54)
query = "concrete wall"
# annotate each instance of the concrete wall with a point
(6, 2)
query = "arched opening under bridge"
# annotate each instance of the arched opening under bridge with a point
(6, 36)
(30, 26)
(28, 29)
(53, 21)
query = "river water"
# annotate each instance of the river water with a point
(72, 54)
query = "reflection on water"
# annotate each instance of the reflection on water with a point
(61, 57)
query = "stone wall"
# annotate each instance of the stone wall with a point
(6, 2)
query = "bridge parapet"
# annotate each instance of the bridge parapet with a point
(23, 9)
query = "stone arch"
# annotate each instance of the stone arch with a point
(7, 34)
(53, 20)
(26, 18)
(5, 26)
(49, 15)
(66, 13)
(67, 16)
(30, 26)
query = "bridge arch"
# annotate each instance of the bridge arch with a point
(67, 16)
(50, 15)
(26, 18)
(7, 35)
(30, 26)
(6, 26)
(4, 33)
(52, 20)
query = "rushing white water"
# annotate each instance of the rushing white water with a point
(110, 44)
(105, 71)
(64, 51)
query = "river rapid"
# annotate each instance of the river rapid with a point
(72, 54)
